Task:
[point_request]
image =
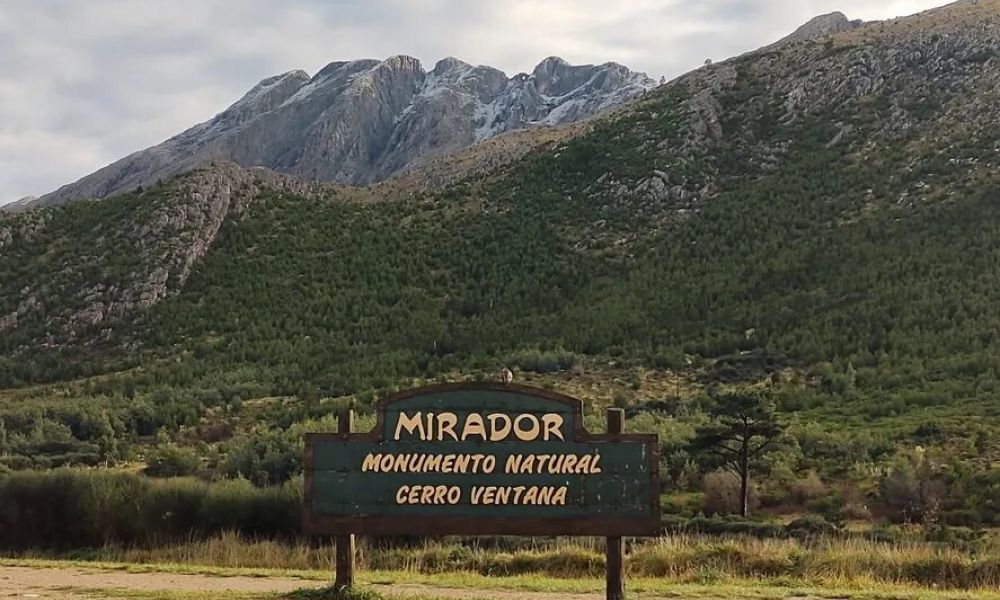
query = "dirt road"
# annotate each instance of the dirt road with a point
(77, 584)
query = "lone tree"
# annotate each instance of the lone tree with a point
(743, 428)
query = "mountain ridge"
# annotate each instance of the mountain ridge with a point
(363, 121)
(18, 205)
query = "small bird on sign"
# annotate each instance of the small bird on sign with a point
(506, 376)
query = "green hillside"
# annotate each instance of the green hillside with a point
(347, 296)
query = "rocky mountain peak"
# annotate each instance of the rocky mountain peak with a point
(271, 82)
(549, 75)
(263, 97)
(402, 62)
(366, 120)
(556, 77)
(392, 82)
(821, 27)
(551, 64)
(450, 64)
(395, 70)
(340, 67)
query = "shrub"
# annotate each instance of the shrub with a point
(172, 507)
(112, 502)
(170, 460)
(912, 492)
(984, 573)
(544, 362)
(74, 509)
(42, 509)
(811, 526)
(962, 518)
(856, 511)
(239, 506)
(266, 458)
(722, 493)
(808, 488)
(830, 507)
(681, 504)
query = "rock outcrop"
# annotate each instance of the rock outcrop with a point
(17, 205)
(820, 27)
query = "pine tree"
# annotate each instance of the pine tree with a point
(743, 428)
(107, 442)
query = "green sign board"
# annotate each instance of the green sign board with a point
(486, 459)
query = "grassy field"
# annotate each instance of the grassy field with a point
(577, 566)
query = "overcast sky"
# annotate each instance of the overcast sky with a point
(85, 82)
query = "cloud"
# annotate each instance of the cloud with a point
(85, 83)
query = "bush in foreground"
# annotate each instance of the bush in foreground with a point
(75, 509)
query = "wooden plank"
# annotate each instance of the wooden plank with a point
(583, 526)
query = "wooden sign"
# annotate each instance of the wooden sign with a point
(481, 459)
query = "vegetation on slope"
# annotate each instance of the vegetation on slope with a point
(819, 220)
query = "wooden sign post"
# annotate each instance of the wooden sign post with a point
(482, 459)
(615, 545)
(345, 542)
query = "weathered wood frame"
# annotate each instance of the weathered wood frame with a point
(409, 525)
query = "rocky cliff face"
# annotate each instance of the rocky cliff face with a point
(363, 121)
(141, 253)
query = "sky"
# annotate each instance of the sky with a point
(86, 82)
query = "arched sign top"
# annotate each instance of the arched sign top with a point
(485, 459)
(460, 388)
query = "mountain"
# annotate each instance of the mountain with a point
(822, 217)
(18, 205)
(820, 27)
(363, 121)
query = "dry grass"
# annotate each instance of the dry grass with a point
(824, 562)
(685, 559)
